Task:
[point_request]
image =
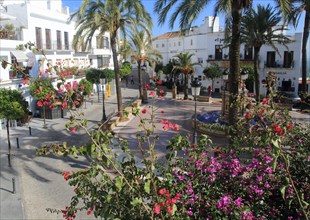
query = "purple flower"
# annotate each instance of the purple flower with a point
(247, 215)
(299, 141)
(224, 202)
(268, 170)
(189, 212)
(268, 159)
(238, 202)
(259, 179)
(267, 185)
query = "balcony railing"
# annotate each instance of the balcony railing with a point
(280, 65)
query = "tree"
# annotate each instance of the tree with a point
(188, 11)
(12, 107)
(212, 72)
(94, 75)
(142, 51)
(43, 91)
(126, 70)
(95, 17)
(184, 64)
(258, 29)
(301, 6)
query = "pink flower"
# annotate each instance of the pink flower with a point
(67, 86)
(159, 82)
(161, 192)
(47, 70)
(166, 127)
(156, 209)
(161, 91)
(143, 111)
(169, 209)
(147, 86)
(73, 129)
(64, 105)
(238, 202)
(162, 111)
(82, 87)
(40, 103)
(89, 211)
(251, 95)
(265, 100)
(45, 103)
(152, 93)
(224, 202)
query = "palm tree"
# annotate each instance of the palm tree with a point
(95, 17)
(301, 6)
(188, 11)
(142, 52)
(258, 29)
(184, 65)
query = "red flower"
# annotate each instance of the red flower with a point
(262, 111)
(82, 87)
(40, 103)
(47, 70)
(159, 82)
(166, 127)
(277, 129)
(247, 116)
(147, 86)
(290, 126)
(251, 95)
(152, 93)
(45, 103)
(89, 211)
(143, 111)
(73, 129)
(66, 175)
(265, 100)
(162, 204)
(169, 209)
(67, 86)
(69, 73)
(40, 73)
(59, 90)
(161, 192)
(162, 111)
(76, 103)
(48, 97)
(156, 209)
(64, 105)
(51, 106)
(161, 91)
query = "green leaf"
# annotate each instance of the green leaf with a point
(147, 186)
(282, 190)
(119, 183)
(136, 201)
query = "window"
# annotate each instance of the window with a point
(288, 59)
(191, 42)
(248, 53)
(179, 43)
(104, 44)
(200, 60)
(163, 45)
(48, 39)
(218, 52)
(58, 37)
(271, 59)
(39, 37)
(66, 38)
(103, 61)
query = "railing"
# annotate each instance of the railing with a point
(279, 65)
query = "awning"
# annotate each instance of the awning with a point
(4, 17)
(19, 55)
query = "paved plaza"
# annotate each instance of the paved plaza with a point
(38, 180)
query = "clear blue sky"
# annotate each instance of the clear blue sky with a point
(158, 30)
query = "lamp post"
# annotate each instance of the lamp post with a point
(225, 78)
(195, 87)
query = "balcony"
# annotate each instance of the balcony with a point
(226, 63)
(279, 65)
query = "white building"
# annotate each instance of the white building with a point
(206, 42)
(44, 23)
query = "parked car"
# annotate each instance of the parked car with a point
(288, 98)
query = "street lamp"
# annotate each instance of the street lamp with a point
(243, 75)
(195, 87)
(144, 91)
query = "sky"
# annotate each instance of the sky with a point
(158, 30)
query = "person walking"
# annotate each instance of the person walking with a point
(131, 80)
(209, 90)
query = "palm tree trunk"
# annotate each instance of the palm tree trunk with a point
(186, 86)
(304, 52)
(256, 74)
(234, 52)
(117, 76)
(9, 142)
(140, 80)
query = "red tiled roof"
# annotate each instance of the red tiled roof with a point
(168, 35)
